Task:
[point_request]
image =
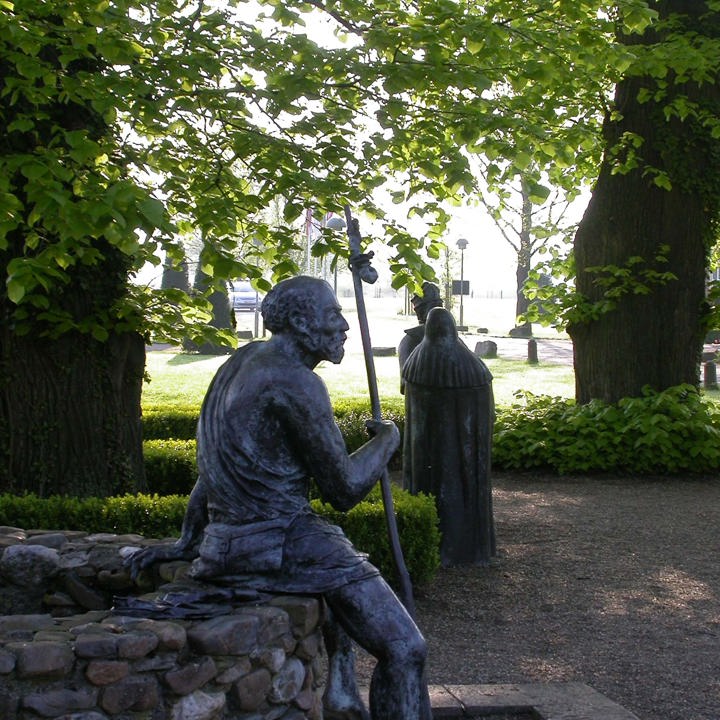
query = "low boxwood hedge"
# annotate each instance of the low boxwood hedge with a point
(170, 466)
(671, 432)
(159, 516)
(170, 423)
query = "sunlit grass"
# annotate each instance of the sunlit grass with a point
(182, 379)
(178, 378)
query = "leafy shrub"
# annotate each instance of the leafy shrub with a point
(170, 466)
(150, 515)
(361, 406)
(668, 432)
(659, 433)
(57, 511)
(161, 517)
(144, 514)
(170, 423)
(352, 426)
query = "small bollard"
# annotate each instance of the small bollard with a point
(532, 352)
(710, 376)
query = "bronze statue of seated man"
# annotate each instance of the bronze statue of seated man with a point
(266, 431)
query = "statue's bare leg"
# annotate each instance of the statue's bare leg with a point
(372, 615)
(341, 699)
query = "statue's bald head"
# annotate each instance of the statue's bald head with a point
(306, 310)
(297, 295)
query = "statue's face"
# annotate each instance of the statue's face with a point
(331, 328)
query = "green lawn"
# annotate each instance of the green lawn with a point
(182, 379)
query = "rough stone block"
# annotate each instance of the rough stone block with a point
(85, 596)
(96, 645)
(136, 644)
(251, 690)
(486, 349)
(193, 676)
(105, 672)
(274, 623)
(133, 693)
(225, 635)
(304, 612)
(55, 703)
(8, 623)
(54, 540)
(288, 682)
(273, 658)
(171, 635)
(231, 673)
(7, 662)
(42, 659)
(155, 663)
(199, 706)
(29, 566)
(308, 647)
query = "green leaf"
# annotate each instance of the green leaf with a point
(100, 333)
(15, 290)
(153, 210)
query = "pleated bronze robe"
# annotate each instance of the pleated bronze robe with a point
(449, 416)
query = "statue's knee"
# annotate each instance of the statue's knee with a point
(410, 650)
(418, 649)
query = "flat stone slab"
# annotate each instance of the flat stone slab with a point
(549, 701)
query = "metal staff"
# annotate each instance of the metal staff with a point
(362, 270)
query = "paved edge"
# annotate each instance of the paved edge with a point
(551, 701)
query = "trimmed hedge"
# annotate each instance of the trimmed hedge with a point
(170, 466)
(169, 446)
(417, 523)
(675, 431)
(170, 423)
(161, 517)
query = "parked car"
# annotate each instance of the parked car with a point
(243, 296)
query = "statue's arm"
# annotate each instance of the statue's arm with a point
(343, 480)
(185, 548)
(369, 461)
(195, 520)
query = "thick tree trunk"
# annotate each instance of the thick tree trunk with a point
(646, 340)
(652, 339)
(70, 415)
(69, 403)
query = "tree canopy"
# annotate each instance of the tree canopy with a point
(205, 113)
(129, 124)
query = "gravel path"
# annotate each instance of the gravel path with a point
(611, 582)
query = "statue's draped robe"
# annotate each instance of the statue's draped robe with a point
(412, 338)
(449, 416)
(266, 429)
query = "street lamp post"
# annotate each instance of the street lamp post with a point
(462, 244)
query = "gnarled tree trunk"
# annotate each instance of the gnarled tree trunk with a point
(70, 415)
(652, 339)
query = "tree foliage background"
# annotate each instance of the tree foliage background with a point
(205, 113)
(130, 124)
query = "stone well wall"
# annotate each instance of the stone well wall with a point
(64, 653)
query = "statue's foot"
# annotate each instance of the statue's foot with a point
(344, 706)
(354, 713)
